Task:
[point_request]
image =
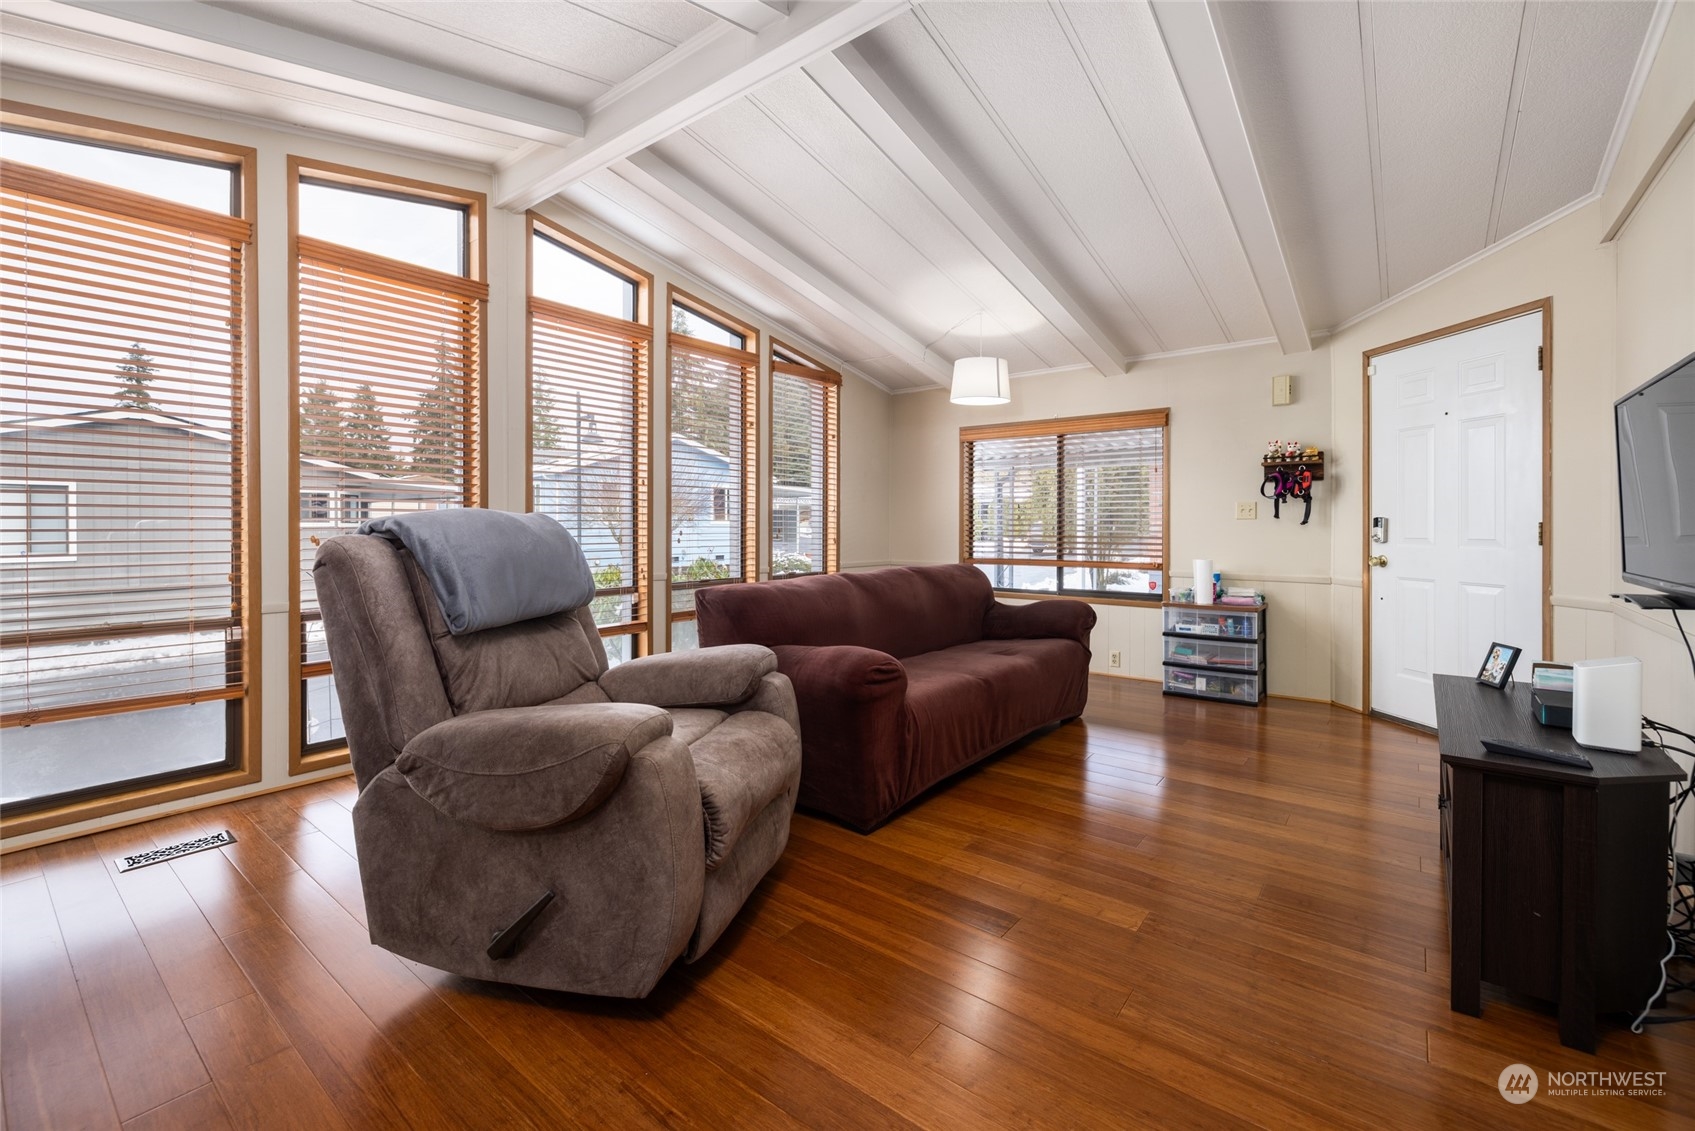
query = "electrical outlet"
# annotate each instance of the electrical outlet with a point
(1115, 659)
(1247, 510)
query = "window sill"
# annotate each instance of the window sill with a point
(76, 811)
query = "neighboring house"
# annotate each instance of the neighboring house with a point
(121, 518)
(100, 504)
(797, 527)
(705, 503)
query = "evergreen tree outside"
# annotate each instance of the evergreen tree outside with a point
(135, 373)
(699, 410)
(323, 420)
(365, 442)
(792, 401)
(544, 424)
(436, 435)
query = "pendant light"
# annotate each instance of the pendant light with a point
(981, 380)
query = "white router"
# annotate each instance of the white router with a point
(1606, 704)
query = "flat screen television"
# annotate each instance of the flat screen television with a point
(1656, 481)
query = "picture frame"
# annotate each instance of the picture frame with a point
(1498, 663)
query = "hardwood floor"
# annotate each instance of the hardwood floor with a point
(1172, 914)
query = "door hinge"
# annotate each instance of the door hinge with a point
(1539, 350)
(1538, 533)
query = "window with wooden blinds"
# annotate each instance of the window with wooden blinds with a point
(714, 368)
(124, 471)
(388, 381)
(590, 341)
(1071, 506)
(804, 464)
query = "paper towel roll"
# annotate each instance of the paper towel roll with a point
(1203, 581)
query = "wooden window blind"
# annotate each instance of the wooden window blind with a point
(123, 483)
(589, 389)
(712, 450)
(388, 364)
(804, 464)
(1074, 506)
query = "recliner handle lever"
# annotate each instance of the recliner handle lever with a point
(505, 940)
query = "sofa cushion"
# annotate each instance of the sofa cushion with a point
(529, 767)
(903, 611)
(965, 702)
(690, 724)
(743, 764)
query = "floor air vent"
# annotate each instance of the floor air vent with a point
(171, 852)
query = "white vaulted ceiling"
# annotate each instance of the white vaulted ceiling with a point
(1100, 182)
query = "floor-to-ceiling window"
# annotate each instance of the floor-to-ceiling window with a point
(805, 413)
(591, 337)
(714, 370)
(388, 310)
(126, 628)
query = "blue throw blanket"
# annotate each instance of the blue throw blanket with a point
(490, 568)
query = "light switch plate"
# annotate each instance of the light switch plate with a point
(1247, 510)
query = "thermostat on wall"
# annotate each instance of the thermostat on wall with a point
(1283, 389)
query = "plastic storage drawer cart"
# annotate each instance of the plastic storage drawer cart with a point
(1215, 652)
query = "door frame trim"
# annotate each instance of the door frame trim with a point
(1546, 306)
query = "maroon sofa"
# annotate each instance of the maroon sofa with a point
(905, 676)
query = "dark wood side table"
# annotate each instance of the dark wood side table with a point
(1556, 875)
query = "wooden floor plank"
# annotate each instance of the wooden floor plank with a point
(371, 1084)
(261, 1080)
(192, 962)
(16, 866)
(1170, 914)
(147, 1054)
(50, 1073)
(199, 1110)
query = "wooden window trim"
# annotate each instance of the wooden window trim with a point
(1070, 426)
(642, 410)
(831, 380)
(248, 770)
(752, 497)
(474, 288)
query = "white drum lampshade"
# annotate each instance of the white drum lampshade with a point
(981, 380)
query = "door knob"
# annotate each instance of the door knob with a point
(1377, 560)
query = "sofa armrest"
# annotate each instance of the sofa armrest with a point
(707, 677)
(852, 705)
(528, 767)
(1068, 620)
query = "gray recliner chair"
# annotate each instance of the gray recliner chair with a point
(497, 766)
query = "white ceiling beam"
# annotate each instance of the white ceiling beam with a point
(860, 92)
(669, 186)
(256, 46)
(714, 68)
(749, 15)
(1202, 65)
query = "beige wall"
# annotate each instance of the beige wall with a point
(1655, 269)
(1221, 418)
(867, 422)
(865, 408)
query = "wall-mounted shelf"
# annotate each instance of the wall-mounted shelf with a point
(1314, 464)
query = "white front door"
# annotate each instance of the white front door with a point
(1456, 478)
